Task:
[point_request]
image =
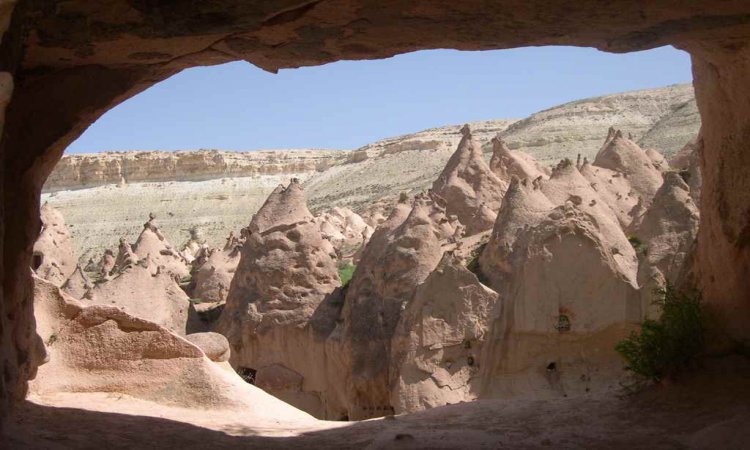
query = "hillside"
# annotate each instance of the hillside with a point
(104, 196)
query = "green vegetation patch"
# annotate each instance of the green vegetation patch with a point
(346, 272)
(665, 346)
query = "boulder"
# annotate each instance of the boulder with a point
(214, 345)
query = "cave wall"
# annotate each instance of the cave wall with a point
(71, 61)
(722, 86)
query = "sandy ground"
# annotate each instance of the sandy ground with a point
(709, 409)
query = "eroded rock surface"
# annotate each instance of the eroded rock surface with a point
(470, 189)
(401, 254)
(665, 237)
(285, 272)
(143, 291)
(54, 258)
(438, 341)
(567, 278)
(104, 349)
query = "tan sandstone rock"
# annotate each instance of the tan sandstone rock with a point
(469, 187)
(77, 285)
(144, 291)
(402, 252)
(152, 243)
(54, 259)
(212, 275)
(438, 341)
(104, 349)
(285, 272)
(567, 277)
(667, 233)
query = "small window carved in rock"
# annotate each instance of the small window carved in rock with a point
(563, 323)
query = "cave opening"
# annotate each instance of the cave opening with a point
(197, 198)
(718, 60)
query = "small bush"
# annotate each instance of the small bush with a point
(662, 347)
(346, 271)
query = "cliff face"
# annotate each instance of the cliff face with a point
(97, 169)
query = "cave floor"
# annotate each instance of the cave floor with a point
(707, 409)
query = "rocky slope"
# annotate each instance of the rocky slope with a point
(105, 196)
(97, 169)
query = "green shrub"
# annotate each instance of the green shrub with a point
(662, 347)
(346, 271)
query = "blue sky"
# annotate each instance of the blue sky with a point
(348, 104)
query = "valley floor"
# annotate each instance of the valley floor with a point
(709, 409)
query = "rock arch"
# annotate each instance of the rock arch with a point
(63, 64)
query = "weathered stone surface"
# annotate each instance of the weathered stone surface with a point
(143, 291)
(688, 161)
(401, 254)
(346, 230)
(71, 62)
(470, 189)
(77, 285)
(438, 341)
(97, 169)
(104, 349)
(212, 278)
(665, 236)
(285, 272)
(54, 258)
(213, 345)
(153, 245)
(567, 278)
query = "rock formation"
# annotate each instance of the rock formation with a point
(438, 341)
(687, 160)
(624, 156)
(401, 254)
(665, 236)
(94, 57)
(471, 190)
(212, 275)
(567, 277)
(152, 243)
(96, 169)
(144, 291)
(285, 272)
(77, 285)
(104, 349)
(54, 259)
(345, 229)
(507, 163)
